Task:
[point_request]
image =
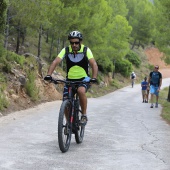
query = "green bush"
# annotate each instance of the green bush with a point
(3, 79)
(165, 104)
(2, 58)
(31, 88)
(105, 65)
(11, 56)
(2, 51)
(115, 83)
(6, 67)
(123, 67)
(3, 100)
(150, 67)
(133, 58)
(7, 58)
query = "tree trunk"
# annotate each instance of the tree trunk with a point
(39, 41)
(47, 36)
(113, 74)
(18, 37)
(133, 44)
(39, 52)
(62, 64)
(23, 33)
(51, 48)
(58, 45)
(6, 31)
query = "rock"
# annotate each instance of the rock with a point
(14, 97)
(16, 87)
(22, 80)
(27, 44)
(31, 66)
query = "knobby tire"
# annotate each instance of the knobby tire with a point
(79, 129)
(64, 126)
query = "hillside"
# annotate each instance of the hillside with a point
(19, 100)
(155, 58)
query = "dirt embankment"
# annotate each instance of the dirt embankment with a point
(155, 57)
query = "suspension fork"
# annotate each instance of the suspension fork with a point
(71, 97)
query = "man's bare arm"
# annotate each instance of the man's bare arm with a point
(94, 67)
(149, 81)
(160, 83)
(53, 65)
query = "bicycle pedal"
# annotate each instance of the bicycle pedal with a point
(73, 130)
(66, 131)
(82, 123)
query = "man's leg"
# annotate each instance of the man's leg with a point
(83, 99)
(83, 103)
(156, 104)
(147, 96)
(157, 97)
(65, 96)
(152, 90)
(143, 96)
(152, 100)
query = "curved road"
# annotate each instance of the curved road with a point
(122, 134)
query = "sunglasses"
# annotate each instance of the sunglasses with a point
(156, 68)
(77, 42)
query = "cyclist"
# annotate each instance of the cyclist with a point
(77, 63)
(155, 81)
(133, 77)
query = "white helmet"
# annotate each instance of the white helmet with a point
(75, 34)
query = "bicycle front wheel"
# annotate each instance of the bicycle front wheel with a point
(79, 129)
(64, 126)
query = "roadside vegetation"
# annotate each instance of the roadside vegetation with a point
(165, 104)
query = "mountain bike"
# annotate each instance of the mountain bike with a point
(69, 116)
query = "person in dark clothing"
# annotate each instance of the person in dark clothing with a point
(155, 82)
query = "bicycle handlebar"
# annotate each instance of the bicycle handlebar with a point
(68, 82)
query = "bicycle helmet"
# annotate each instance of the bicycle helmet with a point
(75, 34)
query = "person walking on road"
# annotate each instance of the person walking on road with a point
(144, 85)
(155, 82)
(78, 58)
(133, 77)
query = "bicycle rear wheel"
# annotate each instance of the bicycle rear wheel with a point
(79, 129)
(64, 126)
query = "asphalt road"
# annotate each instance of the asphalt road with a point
(122, 134)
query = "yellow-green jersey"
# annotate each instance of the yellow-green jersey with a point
(77, 64)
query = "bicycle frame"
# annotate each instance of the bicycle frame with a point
(73, 97)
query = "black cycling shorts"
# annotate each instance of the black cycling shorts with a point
(65, 91)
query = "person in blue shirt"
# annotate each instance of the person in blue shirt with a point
(144, 85)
